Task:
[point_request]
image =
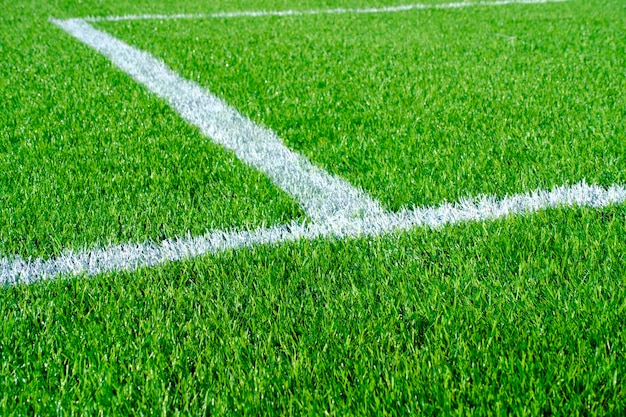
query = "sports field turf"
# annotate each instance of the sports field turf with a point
(424, 105)
(522, 314)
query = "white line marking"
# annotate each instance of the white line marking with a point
(322, 196)
(128, 257)
(341, 10)
(232, 130)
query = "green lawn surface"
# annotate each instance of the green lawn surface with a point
(88, 157)
(523, 316)
(520, 316)
(423, 106)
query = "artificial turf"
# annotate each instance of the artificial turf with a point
(422, 106)
(520, 316)
(88, 157)
(523, 316)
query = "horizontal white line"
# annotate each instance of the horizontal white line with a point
(321, 195)
(341, 10)
(128, 257)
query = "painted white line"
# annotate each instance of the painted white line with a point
(132, 256)
(321, 195)
(341, 10)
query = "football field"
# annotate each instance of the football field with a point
(343, 207)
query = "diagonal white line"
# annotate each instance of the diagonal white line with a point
(341, 10)
(132, 256)
(374, 221)
(323, 196)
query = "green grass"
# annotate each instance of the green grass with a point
(523, 316)
(423, 106)
(520, 316)
(89, 157)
